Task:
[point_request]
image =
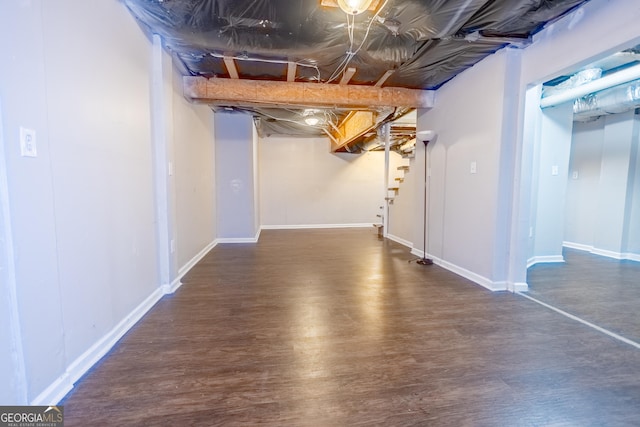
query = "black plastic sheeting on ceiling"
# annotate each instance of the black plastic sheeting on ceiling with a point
(427, 42)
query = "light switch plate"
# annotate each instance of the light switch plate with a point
(28, 143)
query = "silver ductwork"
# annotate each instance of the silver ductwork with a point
(618, 99)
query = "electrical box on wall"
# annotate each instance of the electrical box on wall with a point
(28, 143)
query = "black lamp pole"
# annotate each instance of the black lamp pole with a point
(425, 260)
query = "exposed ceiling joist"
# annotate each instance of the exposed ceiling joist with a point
(230, 63)
(291, 71)
(238, 92)
(355, 125)
(384, 78)
(348, 74)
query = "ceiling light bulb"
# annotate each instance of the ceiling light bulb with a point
(311, 120)
(354, 7)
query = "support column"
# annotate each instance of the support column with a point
(236, 178)
(616, 174)
(162, 140)
(553, 171)
(386, 131)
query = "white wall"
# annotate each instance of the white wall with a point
(303, 184)
(13, 390)
(601, 197)
(586, 158)
(82, 211)
(633, 235)
(597, 29)
(194, 177)
(552, 170)
(235, 181)
(463, 208)
(79, 253)
(477, 221)
(30, 194)
(100, 166)
(618, 159)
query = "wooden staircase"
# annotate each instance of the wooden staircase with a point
(394, 189)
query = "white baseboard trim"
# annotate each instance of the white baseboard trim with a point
(476, 278)
(633, 257)
(578, 246)
(253, 239)
(63, 385)
(196, 259)
(602, 252)
(170, 288)
(608, 253)
(307, 226)
(480, 280)
(544, 259)
(520, 287)
(400, 240)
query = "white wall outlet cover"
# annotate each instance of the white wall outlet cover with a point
(554, 170)
(474, 167)
(28, 143)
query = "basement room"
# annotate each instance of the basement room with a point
(320, 212)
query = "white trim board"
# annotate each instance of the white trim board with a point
(602, 252)
(544, 259)
(196, 259)
(308, 226)
(476, 278)
(64, 384)
(400, 240)
(240, 239)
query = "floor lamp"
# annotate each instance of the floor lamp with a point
(425, 136)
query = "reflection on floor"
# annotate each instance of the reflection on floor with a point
(336, 328)
(600, 290)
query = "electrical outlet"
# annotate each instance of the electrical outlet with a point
(474, 167)
(574, 175)
(28, 143)
(554, 170)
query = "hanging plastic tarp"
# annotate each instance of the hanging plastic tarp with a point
(425, 43)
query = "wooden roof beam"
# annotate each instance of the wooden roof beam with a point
(242, 92)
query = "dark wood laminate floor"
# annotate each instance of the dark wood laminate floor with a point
(336, 328)
(600, 290)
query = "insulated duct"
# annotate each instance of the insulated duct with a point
(617, 99)
(618, 78)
